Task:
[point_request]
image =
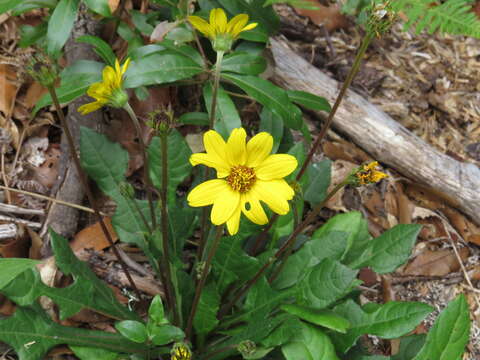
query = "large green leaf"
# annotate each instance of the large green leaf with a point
(449, 335)
(410, 346)
(160, 68)
(231, 263)
(226, 114)
(178, 166)
(27, 5)
(309, 344)
(31, 333)
(319, 174)
(390, 250)
(272, 124)
(310, 101)
(75, 81)
(99, 6)
(325, 318)
(133, 330)
(101, 47)
(270, 96)
(206, 316)
(6, 5)
(60, 24)
(325, 283)
(387, 321)
(330, 245)
(244, 63)
(285, 332)
(10, 268)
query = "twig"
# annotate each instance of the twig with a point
(12, 209)
(34, 225)
(4, 174)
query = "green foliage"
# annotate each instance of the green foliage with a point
(11, 268)
(6, 5)
(60, 25)
(206, 317)
(100, 47)
(325, 318)
(99, 6)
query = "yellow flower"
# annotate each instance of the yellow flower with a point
(181, 352)
(367, 174)
(246, 175)
(109, 91)
(221, 31)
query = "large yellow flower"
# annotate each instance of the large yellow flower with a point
(219, 30)
(247, 174)
(109, 91)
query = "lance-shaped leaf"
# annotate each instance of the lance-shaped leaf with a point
(11, 268)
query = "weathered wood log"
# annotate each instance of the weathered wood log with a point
(8, 231)
(458, 183)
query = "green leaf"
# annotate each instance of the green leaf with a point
(272, 124)
(75, 81)
(390, 250)
(310, 101)
(244, 63)
(410, 346)
(325, 283)
(99, 6)
(10, 268)
(180, 35)
(319, 175)
(31, 333)
(330, 245)
(140, 21)
(160, 68)
(30, 35)
(310, 344)
(194, 118)
(6, 5)
(449, 335)
(132, 330)
(388, 321)
(226, 114)
(156, 314)
(325, 318)
(60, 24)
(178, 166)
(88, 353)
(27, 5)
(206, 316)
(185, 50)
(164, 334)
(101, 47)
(286, 331)
(231, 263)
(269, 95)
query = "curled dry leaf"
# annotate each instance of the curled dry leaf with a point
(9, 88)
(436, 263)
(161, 30)
(92, 237)
(329, 16)
(113, 5)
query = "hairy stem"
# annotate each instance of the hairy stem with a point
(346, 84)
(203, 279)
(291, 239)
(164, 226)
(216, 84)
(86, 187)
(146, 175)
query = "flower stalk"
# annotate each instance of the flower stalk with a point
(203, 279)
(216, 84)
(86, 187)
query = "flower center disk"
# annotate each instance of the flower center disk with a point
(241, 178)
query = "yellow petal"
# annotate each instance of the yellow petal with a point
(99, 91)
(276, 166)
(206, 193)
(258, 148)
(210, 161)
(110, 78)
(274, 193)
(252, 209)
(117, 67)
(216, 147)
(201, 25)
(250, 27)
(238, 21)
(237, 30)
(218, 19)
(125, 66)
(234, 222)
(225, 204)
(236, 147)
(90, 107)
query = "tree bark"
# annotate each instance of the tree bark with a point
(458, 183)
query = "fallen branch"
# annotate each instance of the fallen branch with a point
(384, 138)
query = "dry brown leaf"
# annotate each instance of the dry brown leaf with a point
(113, 5)
(47, 173)
(34, 92)
(436, 263)
(36, 244)
(161, 30)
(93, 237)
(329, 16)
(8, 88)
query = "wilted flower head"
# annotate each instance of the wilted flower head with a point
(246, 175)
(109, 91)
(220, 31)
(181, 351)
(367, 174)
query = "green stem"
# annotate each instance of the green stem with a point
(346, 84)
(216, 84)
(164, 226)
(86, 187)
(291, 239)
(203, 279)
(143, 150)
